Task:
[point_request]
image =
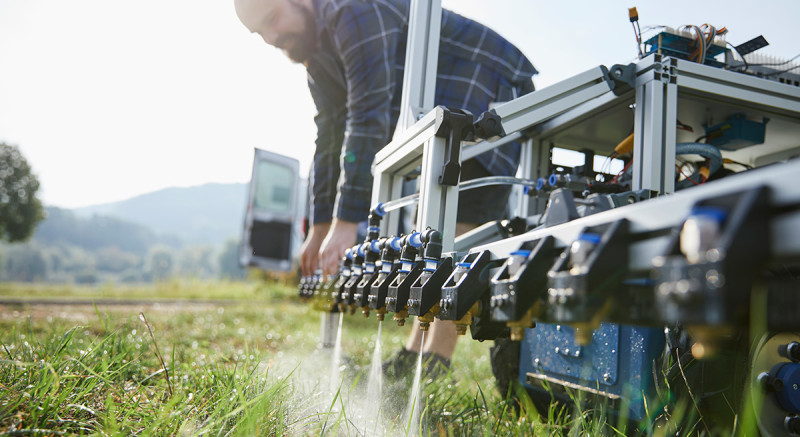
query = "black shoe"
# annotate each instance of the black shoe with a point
(400, 364)
(403, 364)
(435, 365)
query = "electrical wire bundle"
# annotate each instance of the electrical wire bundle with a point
(703, 38)
(633, 15)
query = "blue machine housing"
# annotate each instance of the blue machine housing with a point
(679, 46)
(617, 365)
(737, 132)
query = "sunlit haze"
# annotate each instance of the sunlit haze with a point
(110, 99)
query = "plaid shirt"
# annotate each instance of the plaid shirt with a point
(356, 80)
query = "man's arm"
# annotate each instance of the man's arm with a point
(309, 251)
(330, 121)
(340, 237)
(365, 36)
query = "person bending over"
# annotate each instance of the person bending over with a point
(354, 53)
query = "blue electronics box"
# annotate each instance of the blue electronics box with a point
(617, 365)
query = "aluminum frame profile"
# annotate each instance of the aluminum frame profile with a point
(657, 92)
(422, 57)
(655, 116)
(418, 145)
(538, 106)
(728, 84)
(592, 106)
(398, 158)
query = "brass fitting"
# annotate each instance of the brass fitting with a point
(400, 317)
(426, 319)
(381, 313)
(365, 312)
(462, 323)
(516, 333)
(518, 327)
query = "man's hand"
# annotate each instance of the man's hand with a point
(309, 251)
(341, 236)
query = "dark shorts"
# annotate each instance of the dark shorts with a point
(484, 204)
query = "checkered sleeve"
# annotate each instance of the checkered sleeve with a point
(325, 171)
(366, 39)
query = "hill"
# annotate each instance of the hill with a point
(62, 227)
(207, 214)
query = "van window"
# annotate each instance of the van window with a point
(274, 188)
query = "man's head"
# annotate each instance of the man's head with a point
(285, 24)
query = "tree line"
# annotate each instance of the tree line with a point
(71, 249)
(55, 245)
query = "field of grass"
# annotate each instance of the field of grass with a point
(247, 362)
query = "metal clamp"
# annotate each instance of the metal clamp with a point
(455, 125)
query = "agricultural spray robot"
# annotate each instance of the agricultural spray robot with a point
(661, 256)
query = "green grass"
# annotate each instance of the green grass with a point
(250, 365)
(172, 289)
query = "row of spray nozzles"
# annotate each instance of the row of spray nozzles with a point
(388, 274)
(361, 281)
(376, 275)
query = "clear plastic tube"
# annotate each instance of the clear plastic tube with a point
(467, 185)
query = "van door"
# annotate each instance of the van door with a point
(272, 223)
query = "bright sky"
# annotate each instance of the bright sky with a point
(108, 99)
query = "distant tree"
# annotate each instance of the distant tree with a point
(113, 260)
(160, 263)
(197, 262)
(20, 210)
(86, 277)
(131, 276)
(26, 263)
(69, 259)
(3, 262)
(229, 267)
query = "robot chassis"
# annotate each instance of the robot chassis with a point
(602, 291)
